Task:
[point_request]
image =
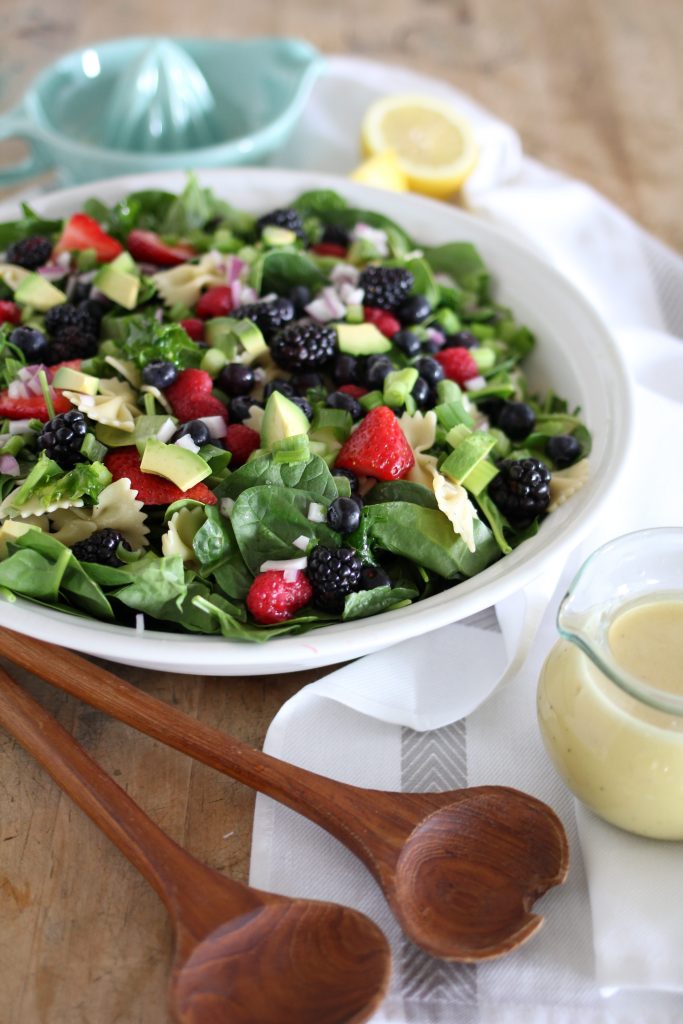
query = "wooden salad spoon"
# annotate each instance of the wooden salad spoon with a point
(460, 869)
(242, 956)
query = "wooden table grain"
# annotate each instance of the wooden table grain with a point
(596, 91)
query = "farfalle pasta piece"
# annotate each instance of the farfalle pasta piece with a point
(114, 406)
(33, 507)
(420, 431)
(126, 368)
(454, 502)
(182, 527)
(565, 482)
(184, 284)
(117, 508)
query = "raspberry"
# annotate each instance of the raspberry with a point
(9, 312)
(269, 316)
(194, 327)
(304, 346)
(383, 321)
(521, 490)
(101, 547)
(329, 249)
(378, 447)
(355, 390)
(241, 441)
(333, 573)
(286, 218)
(272, 598)
(385, 287)
(61, 438)
(216, 301)
(190, 396)
(151, 489)
(30, 253)
(458, 364)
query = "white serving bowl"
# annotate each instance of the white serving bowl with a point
(575, 356)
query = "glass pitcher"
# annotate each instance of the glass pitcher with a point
(610, 698)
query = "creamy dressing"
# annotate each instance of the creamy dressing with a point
(622, 758)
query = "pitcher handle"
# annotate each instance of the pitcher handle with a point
(16, 124)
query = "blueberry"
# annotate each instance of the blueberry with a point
(432, 345)
(414, 310)
(340, 400)
(159, 374)
(281, 385)
(197, 429)
(491, 407)
(376, 369)
(236, 379)
(407, 342)
(350, 476)
(32, 342)
(421, 393)
(432, 371)
(239, 408)
(303, 382)
(563, 449)
(300, 296)
(372, 576)
(517, 420)
(343, 515)
(304, 405)
(345, 369)
(463, 339)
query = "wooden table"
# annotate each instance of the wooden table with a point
(596, 91)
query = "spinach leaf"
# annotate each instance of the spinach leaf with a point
(233, 629)
(313, 477)
(371, 602)
(280, 270)
(319, 202)
(424, 283)
(157, 586)
(399, 241)
(232, 576)
(30, 574)
(29, 224)
(462, 262)
(267, 521)
(401, 490)
(425, 536)
(214, 540)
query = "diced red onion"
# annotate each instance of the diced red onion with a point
(64, 259)
(317, 513)
(140, 623)
(166, 430)
(350, 295)
(435, 335)
(285, 564)
(235, 268)
(17, 389)
(375, 236)
(159, 315)
(33, 386)
(344, 273)
(216, 425)
(19, 427)
(9, 465)
(474, 383)
(186, 442)
(226, 506)
(4, 438)
(51, 272)
(301, 542)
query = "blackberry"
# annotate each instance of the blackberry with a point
(521, 490)
(385, 287)
(71, 343)
(101, 547)
(30, 253)
(333, 573)
(304, 346)
(59, 317)
(286, 218)
(269, 316)
(61, 438)
(335, 234)
(92, 312)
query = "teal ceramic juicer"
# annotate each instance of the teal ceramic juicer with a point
(146, 104)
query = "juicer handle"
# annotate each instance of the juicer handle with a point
(17, 124)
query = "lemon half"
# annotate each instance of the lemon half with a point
(434, 145)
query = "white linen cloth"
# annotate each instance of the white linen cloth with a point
(610, 950)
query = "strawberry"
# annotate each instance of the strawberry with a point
(71, 364)
(216, 301)
(383, 321)
(147, 247)
(330, 249)
(458, 364)
(194, 327)
(152, 489)
(84, 232)
(378, 447)
(272, 598)
(241, 441)
(355, 390)
(9, 312)
(31, 408)
(190, 396)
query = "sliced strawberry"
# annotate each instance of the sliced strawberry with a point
(272, 598)
(9, 312)
(70, 364)
(383, 321)
(147, 247)
(152, 490)
(330, 249)
(378, 447)
(194, 327)
(458, 364)
(355, 390)
(31, 408)
(84, 232)
(190, 396)
(241, 441)
(216, 301)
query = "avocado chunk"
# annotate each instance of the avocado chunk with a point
(120, 286)
(275, 236)
(74, 380)
(281, 418)
(177, 464)
(125, 263)
(234, 337)
(33, 290)
(361, 339)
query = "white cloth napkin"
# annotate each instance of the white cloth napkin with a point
(361, 723)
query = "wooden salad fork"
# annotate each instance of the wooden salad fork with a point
(242, 956)
(460, 869)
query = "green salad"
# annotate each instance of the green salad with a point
(250, 425)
